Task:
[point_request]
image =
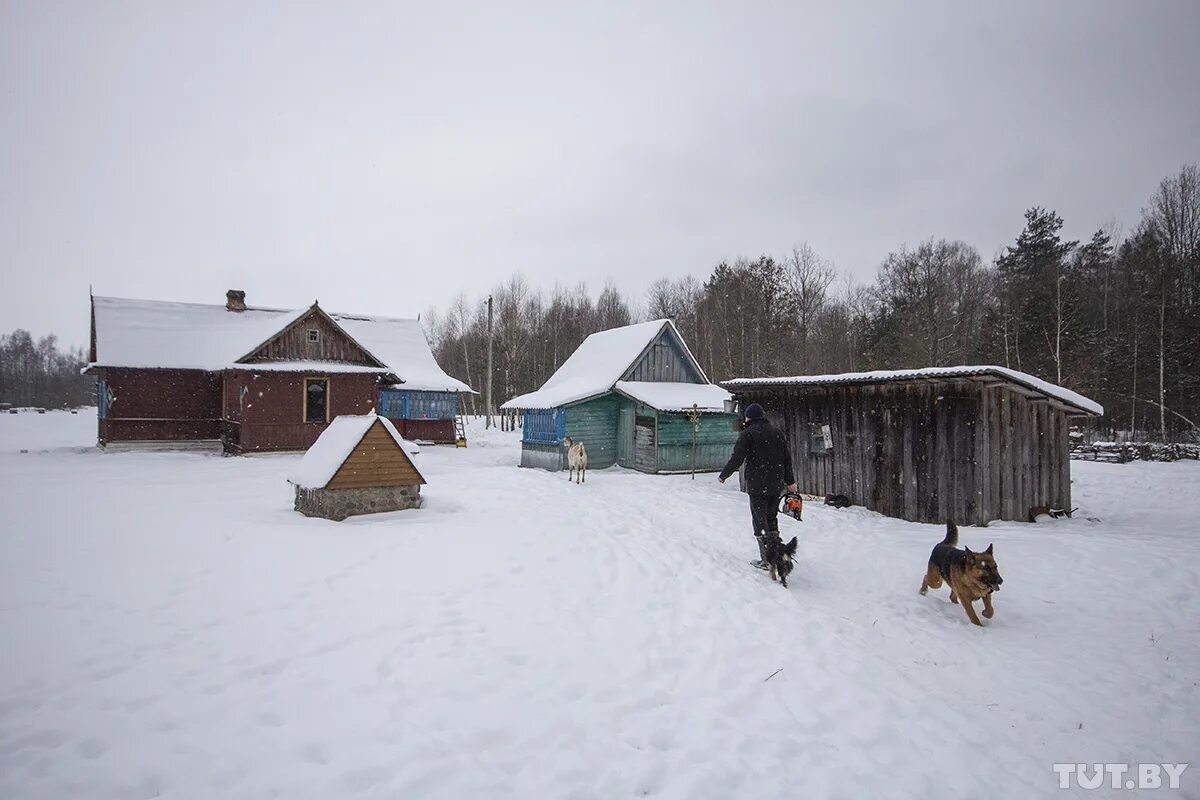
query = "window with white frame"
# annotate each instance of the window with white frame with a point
(314, 335)
(820, 438)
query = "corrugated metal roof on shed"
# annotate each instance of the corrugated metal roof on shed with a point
(1029, 382)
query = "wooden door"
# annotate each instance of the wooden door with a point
(625, 434)
(645, 449)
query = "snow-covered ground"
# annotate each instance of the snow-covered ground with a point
(169, 627)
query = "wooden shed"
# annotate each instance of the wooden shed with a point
(629, 394)
(972, 443)
(358, 465)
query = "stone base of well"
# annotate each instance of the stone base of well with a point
(337, 504)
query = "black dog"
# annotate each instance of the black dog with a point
(779, 556)
(837, 500)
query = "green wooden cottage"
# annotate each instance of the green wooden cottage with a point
(629, 394)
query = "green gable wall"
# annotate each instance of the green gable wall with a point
(664, 360)
(594, 423)
(606, 426)
(715, 436)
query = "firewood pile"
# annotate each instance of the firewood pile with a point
(1124, 452)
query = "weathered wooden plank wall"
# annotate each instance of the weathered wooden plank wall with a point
(438, 431)
(665, 361)
(908, 448)
(983, 463)
(924, 456)
(292, 344)
(595, 424)
(925, 451)
(163, 394)
(1006, 460)
(715, 437)
(645, 443)
(625, 433)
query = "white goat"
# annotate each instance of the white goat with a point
(576, 460)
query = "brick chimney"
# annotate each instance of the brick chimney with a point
(235, 300)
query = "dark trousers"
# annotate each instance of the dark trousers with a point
(764, 512)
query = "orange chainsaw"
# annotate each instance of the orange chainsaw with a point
(791, 504)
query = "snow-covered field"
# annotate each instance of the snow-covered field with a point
(170, 628)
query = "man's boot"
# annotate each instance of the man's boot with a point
(762, 553)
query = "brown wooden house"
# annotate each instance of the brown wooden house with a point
(359, 465)
(969, 443)
(248, 379)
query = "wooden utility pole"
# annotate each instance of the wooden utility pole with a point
(488, 400)
(1133, 399)
(1162, 357)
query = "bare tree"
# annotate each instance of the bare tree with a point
(611, 309)
(1174, 219)
(1174, 213)
(809, 277)
(459, 324)
(37, 373)
(859, 304)
(677, 300)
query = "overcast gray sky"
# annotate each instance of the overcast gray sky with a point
(384, 156)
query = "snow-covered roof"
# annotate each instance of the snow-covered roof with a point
(597, 364)
(154, 334)
(675, 396)
(401, 344)
(331, 449)
(1038, 385)
(150, 333)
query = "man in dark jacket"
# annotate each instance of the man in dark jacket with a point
(764, 449)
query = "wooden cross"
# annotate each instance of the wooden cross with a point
(694, 416)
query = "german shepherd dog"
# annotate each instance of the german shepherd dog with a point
(779, 556)
(972, 576)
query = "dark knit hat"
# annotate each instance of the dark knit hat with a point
(754, 411)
